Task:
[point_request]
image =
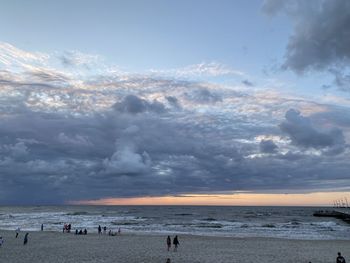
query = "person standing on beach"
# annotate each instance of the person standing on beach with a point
(104, 229)
(176, 243)
(168, 242)
(17, 231)
(42, 227)
(1, 241)
(25, 241)
(340, 258)
(99, 229)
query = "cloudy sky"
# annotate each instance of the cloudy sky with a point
(174, 102)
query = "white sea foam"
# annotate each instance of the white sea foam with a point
(212, 221)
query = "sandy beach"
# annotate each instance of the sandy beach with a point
(59, 247)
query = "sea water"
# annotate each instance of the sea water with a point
(280, 222)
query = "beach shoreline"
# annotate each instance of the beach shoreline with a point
(51, 246)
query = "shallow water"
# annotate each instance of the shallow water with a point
(282, 222)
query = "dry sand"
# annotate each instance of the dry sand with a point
(54, 247)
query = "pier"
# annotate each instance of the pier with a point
(336, 213)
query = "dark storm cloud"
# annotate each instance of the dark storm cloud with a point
(337, 116)
(320, 40)
(303, 133)
(173, 101)
(268, 146)
(96, 156)
(133, 104)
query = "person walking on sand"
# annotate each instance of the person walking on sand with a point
(25, 241)
(42, 227)
(99, 229)
(340, 258)
(168, 242)
(176, 243)
(1, 241)
(17, 231)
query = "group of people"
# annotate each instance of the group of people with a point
(67, 228)
(176, 243)
(81, 232)
(99, 229)
(111, 233)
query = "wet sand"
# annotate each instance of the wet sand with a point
(58, 247)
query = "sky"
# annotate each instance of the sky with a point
(174, 102)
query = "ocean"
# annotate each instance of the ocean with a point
(279, 222)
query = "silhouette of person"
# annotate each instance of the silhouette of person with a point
(168, 260)
(340, 258)
(1, 241)
(168, 242)
(17, 231)
(99, 229)
(176, 243)
(42, 227)
(25, 241)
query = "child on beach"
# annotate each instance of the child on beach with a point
(17, 231)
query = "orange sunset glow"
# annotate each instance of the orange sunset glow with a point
(239, 199)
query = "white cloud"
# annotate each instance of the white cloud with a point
(127, 161)
(77, 139)
(211, 69)
(198, 134)
(11, 56)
